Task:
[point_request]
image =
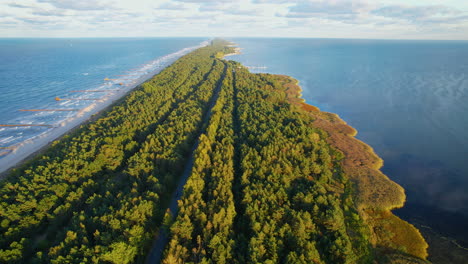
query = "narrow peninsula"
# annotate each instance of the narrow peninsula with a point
(260, 177)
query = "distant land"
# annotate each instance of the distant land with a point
(207, 162)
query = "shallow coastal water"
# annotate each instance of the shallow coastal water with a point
(33, 72)
(407, 99)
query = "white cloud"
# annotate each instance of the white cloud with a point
(422, 14)
(172, 6)
(53, 12)
(80, 4)
(421, 18)
(294, 18)
(330, 7)
(207, 1)
(17, 5)
(232, 9)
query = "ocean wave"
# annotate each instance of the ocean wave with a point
(86, 102)
(6, 140)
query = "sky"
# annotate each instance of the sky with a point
(370, 19)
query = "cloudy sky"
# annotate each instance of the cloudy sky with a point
(389, 19)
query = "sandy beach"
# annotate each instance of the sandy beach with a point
(29, 148)
(237, 51)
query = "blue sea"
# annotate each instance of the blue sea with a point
(34, 72)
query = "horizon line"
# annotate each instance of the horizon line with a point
(239, 37)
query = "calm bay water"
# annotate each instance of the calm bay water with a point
(407, 99)
(35, 71)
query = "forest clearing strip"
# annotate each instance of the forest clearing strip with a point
(156, 252)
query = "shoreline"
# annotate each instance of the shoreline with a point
(30, 148)
(376, 195)
(237, 51)
(42, 143)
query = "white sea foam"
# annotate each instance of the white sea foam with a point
(6, 140)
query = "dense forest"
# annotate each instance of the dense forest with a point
(271, 179)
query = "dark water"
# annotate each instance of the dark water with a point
(407, 99)
(35, 71)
